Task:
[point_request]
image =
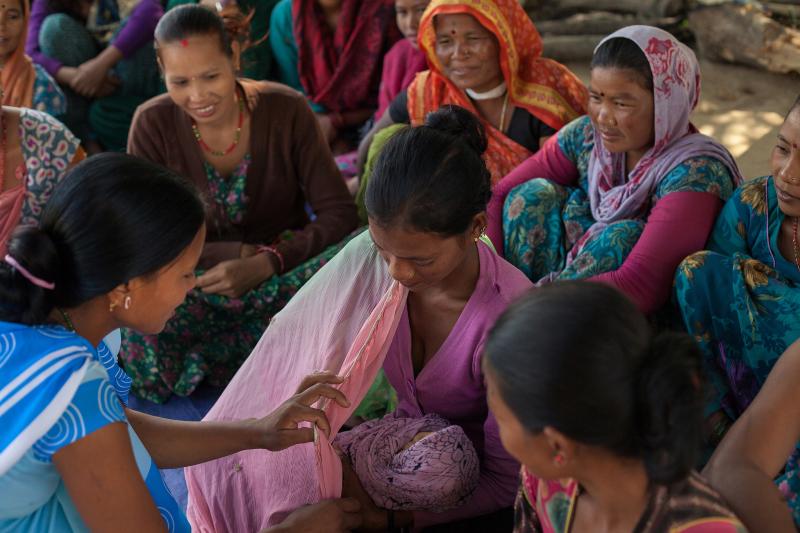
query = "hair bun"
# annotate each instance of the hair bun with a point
(458, 122)
(35, 250)
(670, 397)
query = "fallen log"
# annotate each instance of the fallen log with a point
(549, 9)
(599, 23)
(570, 47)
(746, 35)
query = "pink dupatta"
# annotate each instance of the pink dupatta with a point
(343, 320)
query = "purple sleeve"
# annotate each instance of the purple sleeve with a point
(139, 28)
(549, 162)
(39, 12)
(678, 226)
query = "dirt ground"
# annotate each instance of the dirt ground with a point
(741, 107)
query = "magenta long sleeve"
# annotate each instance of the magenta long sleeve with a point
(137, 32)
(39, 12)
(139, 28)
(679, 225)
(549, 162)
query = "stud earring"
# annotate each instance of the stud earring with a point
(127, 303)
(559, 459)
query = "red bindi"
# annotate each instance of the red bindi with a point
(184, 43)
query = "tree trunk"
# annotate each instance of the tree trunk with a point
(570, 47)
(550, 9)
(744, 34)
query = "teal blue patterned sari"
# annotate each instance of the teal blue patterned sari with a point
(740, 300)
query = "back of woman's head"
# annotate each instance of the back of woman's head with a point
(581, 358)
(624, 54)
(113, 218)
(432, 178)
(191, 20)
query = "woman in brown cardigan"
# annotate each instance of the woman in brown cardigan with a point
(256, 151)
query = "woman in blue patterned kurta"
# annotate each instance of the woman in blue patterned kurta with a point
(740, 297)
(73, 457)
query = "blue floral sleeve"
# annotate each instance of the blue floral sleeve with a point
(47, 95)
(746, 207)
(576, 141)
(698, 174)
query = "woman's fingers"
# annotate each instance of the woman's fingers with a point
(322, 390)
(321, 376)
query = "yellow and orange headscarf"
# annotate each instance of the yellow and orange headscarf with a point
(18, 75)
(543, 87)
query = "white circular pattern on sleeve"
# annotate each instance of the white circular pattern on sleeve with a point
(168, 518)
(8, 343)
(69, 428)
(108, 403)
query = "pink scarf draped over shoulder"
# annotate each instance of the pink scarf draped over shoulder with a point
(342, 320)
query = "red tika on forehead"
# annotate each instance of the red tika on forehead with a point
(184, 42)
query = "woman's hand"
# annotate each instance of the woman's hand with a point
(237, 276)
(279, 430)
(91, 78)
(374, 518)
(329, 516)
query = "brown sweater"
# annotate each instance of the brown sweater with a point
(291, 164)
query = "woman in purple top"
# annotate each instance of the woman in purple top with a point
(426, 203)
(101, 52)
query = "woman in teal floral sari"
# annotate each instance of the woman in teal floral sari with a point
(740, 298)
(624, 194)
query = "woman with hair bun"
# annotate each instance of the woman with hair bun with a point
(73, 457)
(426, 203)
(604, 414)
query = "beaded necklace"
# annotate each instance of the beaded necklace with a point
(236, 136)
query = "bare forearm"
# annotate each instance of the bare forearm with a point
(109, 57)
(753, 495)
(177, 443)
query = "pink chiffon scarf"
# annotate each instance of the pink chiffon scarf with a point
(342, 320)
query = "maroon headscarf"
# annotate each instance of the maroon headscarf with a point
(341, 70)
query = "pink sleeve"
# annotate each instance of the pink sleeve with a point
(549, 162)
(678, 226)
(497, 486)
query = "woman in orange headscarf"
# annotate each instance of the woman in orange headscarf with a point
(486, 57)
(24, 84)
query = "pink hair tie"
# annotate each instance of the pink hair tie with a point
(39, 282)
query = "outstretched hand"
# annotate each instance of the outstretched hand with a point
(281, 428)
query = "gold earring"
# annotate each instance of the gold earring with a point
(111, 307)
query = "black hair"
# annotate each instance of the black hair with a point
(622, 53)
(581, 358)
(432, 178)
(190, 20)
(67, 7)
(113, 218)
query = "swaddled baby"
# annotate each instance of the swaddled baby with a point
(420, 464)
